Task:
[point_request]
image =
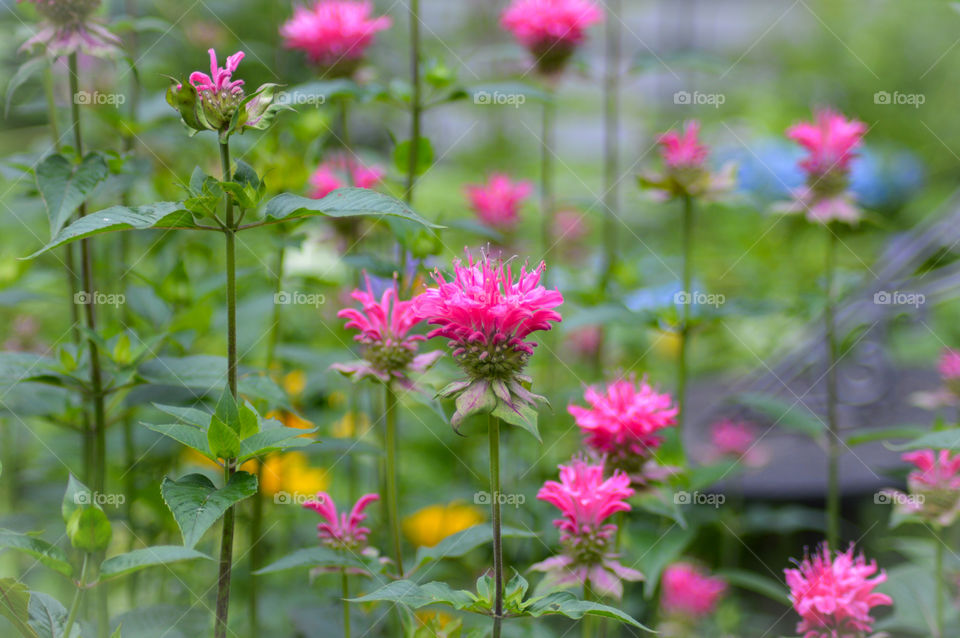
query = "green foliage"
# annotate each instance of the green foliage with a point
(197, 504)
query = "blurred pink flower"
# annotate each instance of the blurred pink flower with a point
(497, 203)
(737, 439)
(585, 340)
(487, 316)
(390, 351)
(689, 591)
(341, 530)
(687, 173)
(934, 487)
(834, 596)
(949, 365)
(333, 33)
(623, 421)
(550, 29)
(339, 172)
(585, 500)
(831, 140)
(69, 27)
(683, 150)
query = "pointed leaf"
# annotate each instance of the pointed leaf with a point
(89, 529)
(223, 441)
(248, 419)
(76, 496)
(566, 604)
(147, 557)
(197, 504)
(312, 557)
(49, 618)
(24, 73)
(15, 606)
(415, 596)
(186, 434)
(940, 440)
(343, 202)
(50, 555)
(523, 416)
(64, 185)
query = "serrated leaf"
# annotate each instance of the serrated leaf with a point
(193, 416)
(415, 596)
(48, 617)
(312, 557)
(64, 185)
(249, 420)
(15, 606)
(197, 504)
(89, 529)
(223, 441)
(160, 215)
(272, 440)
(463, 542)
(49, 555)
(566, 604)
(523, 416)
(147, 557)
(188, 435)
(226, 410)
(343, 202)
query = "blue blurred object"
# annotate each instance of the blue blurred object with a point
(880, 180)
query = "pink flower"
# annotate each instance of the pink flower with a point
(69, 27)
(831, 141)
(949, 365)
(568, 226)
(834, 596)
(934, 486)
(687, 590)
(220, 79)
(683, 150)
(343, 530)
(586, 340)
(686, 172)
(550, 29)
(340, 172)
(585, 500)
(390, 351)
(334, 33)
(623, 421)
(497, 203)
(737, 439)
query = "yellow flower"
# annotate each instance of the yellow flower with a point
(352, 424)
(666, 344)
(432, 524)
(290, 419)
(294, 382)
(337, 399)
(290, 472)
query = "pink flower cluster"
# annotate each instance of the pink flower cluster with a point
(340, 172)
(689, 591)
(497, 203)
(683, 150)
(686, 171)
(949, 365)
(934, 486)
(831, 140)
(384, 326)
(550, 29)
(334, 34)
(341, 530)
(623, 420)
(834, 596)
(586, 500)
(220, 83)
(738, 440)
(69, 27)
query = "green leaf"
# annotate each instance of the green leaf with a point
(791, 415)
(940, 440)
(160, 215)
(273, 439)
(223, 441)
(193, 416)
(401, 156)
(76, 496)
(50, 555)
(657, 550)
(226, 410)
(249, 420)
(186, 434)
(523, 416)
(312, 557)
(15, 606)
(24, 73)
(459, 544)
(197, 504)
(416, 596)
(49, 618)
(566, 604)
(343, 202)
(206, 373)
(882, 434)
(89, 529)
(147, 557)
(763, 585)
(64, 185)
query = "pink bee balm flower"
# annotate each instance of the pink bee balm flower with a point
(683, 150)
(834, 597)
(69, 27)
(586, 500)
(686, 172)
(831, 140)
(497, 203)
(689, 591)
(550, 29)
(934, 486)
(341, 530)
(334, 34)
(737, 439)
(949, 365)
(340, 172)
(623, 421)
(384, 325)
(487, 316)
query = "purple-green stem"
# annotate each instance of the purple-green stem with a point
(416, 107)
(97, 479)
(687, 230)
(833, 446)
(226, 537)
(390, 443)
(493, 427)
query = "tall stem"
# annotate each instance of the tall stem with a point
(587, 624)
(416, 106)
(611, 139)
(493, 426)
(390, 442)
(77, 597)
(938, 574)
(98, 448)
(546, 175)
(833, 446)
(226, 538)
(685, 313)
(345, 587)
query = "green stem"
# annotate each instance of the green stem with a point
(493, 427)
(938, 575)
(833, 446)
(390, 442)
(546, 175)
(611, 139)
(344, 104)
(226, 538)
(345, 586)
(416, 105)
(77, 597)
(688, 215)
(588, 625)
